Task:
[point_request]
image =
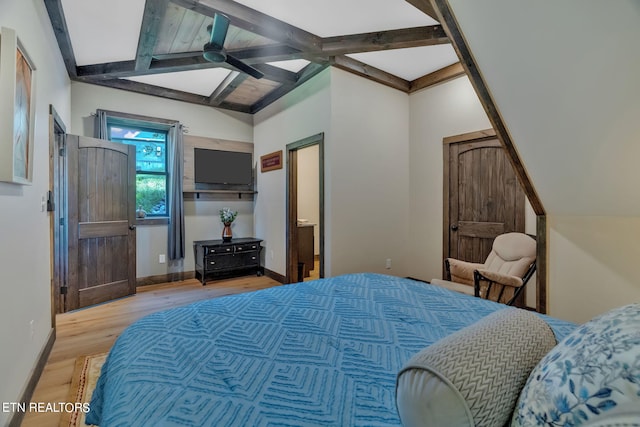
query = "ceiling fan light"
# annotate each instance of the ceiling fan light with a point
(213, 54)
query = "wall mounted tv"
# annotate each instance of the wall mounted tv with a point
(222, 167)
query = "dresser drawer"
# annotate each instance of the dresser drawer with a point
(220, 262)
(246, 247)
(249, 259)
(213, 250)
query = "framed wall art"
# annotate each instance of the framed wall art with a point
(17, 109)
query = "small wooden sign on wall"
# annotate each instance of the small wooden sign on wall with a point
(271, 161)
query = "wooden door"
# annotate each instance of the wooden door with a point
(483, 197)
(101, 221)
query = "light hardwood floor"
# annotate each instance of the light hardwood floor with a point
(94, 330)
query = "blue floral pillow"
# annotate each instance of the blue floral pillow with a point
(594, 369)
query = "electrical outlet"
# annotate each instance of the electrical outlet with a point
(32, 329)
(271, 253)
(162, 258)
(388, 264)
(43, 204)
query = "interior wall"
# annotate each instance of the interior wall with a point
(309, 190)
(25, 308)
(201, 216)
(298, 115)
(369, 170)
(574, 120)
(593, 264)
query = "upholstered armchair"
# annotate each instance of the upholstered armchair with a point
(501, 277)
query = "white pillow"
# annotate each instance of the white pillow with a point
(474, 376)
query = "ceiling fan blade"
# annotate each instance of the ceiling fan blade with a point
(245, 68)
(219, 30)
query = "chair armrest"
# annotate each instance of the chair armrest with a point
(500, 278)
(462, 271)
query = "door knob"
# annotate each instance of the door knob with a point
(454, 227)
(132, 227)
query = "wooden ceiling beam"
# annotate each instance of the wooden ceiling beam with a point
(426, 7)
(267, 53)
(384, 40)
(367, 71)
(304, 75)
(61, 31)
(154, 11)
(440, 76)
(111, 70)
(162, 92)
(256, 22)
(225, 88)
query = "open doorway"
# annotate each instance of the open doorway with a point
(305, 209)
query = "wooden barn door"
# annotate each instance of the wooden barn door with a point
(101, 221)
(483, 197)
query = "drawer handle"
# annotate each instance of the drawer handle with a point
(228, 249)
(213, 262)
(253, 257)
(253, 247)
(239, 248)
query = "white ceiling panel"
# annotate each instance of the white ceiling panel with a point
(200, 82)
(339, 17)
(103, 31)
(294, 65)
(411, 63)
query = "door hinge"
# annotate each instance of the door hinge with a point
(61, 221)
(63, 290)
(61, 152)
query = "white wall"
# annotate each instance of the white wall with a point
(309, 190)
(201, 216)
(369, 171)
(570, 98)
(24, 228)
(299, 114)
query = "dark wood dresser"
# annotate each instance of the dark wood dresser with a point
(215, 258)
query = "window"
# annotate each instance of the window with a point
(151, 161)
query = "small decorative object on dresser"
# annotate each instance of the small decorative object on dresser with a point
(227, 216)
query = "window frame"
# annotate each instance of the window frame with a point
(146, 123)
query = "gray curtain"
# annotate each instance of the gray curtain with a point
(100, 126)
(174, 193)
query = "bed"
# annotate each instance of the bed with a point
(324, 352)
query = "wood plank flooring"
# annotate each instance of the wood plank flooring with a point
(94, 330)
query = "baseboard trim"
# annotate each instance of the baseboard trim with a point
(34, 377)
(164, 278)
(275, 276)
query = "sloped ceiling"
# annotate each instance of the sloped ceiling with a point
(565, 77)
(155, 46)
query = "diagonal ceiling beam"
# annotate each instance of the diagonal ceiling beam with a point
(231, 83)
(384, 40)
(303, 76)
(60, 29)
(256, 22)
(154, 11)
(162, 92)
(367, 71)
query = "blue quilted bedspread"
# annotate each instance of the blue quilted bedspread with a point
(317, 353)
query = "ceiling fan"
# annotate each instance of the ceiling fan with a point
(214, 50)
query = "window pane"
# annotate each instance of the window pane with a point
(151, 146)
(151, 193)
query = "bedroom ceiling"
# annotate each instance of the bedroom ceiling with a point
(155, 46)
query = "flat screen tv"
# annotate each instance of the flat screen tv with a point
(222, 167)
